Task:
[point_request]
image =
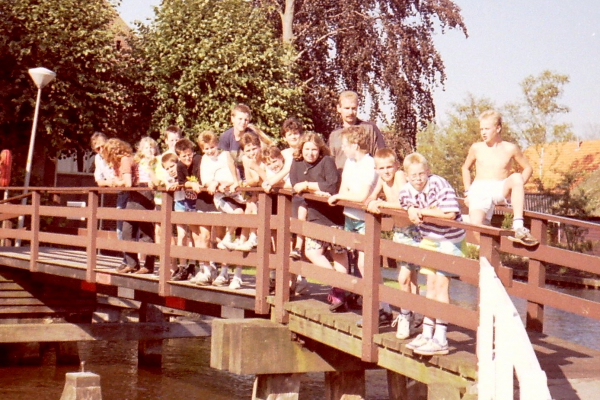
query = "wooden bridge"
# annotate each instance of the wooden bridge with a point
(301, 334)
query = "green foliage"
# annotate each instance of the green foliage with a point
(382, 49)
(535, 117)
(76, 40)
(202, 57)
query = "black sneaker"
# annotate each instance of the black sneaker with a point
(180, 274)
(385, 319)
(354, 301)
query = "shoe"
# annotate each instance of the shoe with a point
(125, 269)
(225, 244)
(236, 283)
(248, 245)
(432, 348)
(337, 298)
(296, 255)
(221, 280)
(180, 274)
(143, 270)
(403, 323)
(417, 342)
(206, 276)
(191, 270)
(385, 319)
(301, 286)
(354, 301)
(523, 236)
(271, 286)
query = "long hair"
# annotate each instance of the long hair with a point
(315, 138)
(114, 150)
(139, 156)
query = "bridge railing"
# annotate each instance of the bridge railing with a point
(493, 241)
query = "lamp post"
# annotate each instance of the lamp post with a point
(41, 77)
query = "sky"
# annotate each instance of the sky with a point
(508, 41)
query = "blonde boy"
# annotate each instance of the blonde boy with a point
(494, 182)
(391, 180)
(358, 181)
(431, 195)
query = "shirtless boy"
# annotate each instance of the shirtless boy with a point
(494, 182)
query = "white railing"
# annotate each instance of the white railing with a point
(503, 347)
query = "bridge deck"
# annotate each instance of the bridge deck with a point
(562, 360)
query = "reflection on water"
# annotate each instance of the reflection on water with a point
(186, 374)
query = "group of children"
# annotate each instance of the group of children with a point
(355, 167)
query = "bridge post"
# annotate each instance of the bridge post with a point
(150, 351)
(35, 231)
(372, 279)
(282, 277)
(166, 236)
(276, 387)
(92, 231)
(265, 203)
(537, 277)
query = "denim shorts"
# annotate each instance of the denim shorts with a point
(185, 205)
(354, 225)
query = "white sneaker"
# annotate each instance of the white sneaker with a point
(226, 243)
(403, 323)
(206, 276)
(417, 342)
(222, 280)
(236, 283)
(248, 245)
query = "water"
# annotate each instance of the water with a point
(186, 375)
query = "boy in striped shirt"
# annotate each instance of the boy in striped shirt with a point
(426, 194)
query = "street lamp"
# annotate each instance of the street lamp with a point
(41, 77)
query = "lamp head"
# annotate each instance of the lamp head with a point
(41, 76)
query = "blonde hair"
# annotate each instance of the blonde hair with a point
(139, 156)
(315, 138)
(356, 134)
(493, 115)
(385, 154)
(114, 150)
(413, 159)
(264, 138)
(348, 94)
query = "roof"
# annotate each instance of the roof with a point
(551, 161)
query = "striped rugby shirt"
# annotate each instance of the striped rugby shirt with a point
(437, 194)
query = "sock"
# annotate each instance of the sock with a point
(253, 238)
(441, 327)
(238, 272)
(517, 223)
(224, 269)
(226, 238)
(428, 325)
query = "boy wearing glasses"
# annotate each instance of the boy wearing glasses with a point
(431, 195)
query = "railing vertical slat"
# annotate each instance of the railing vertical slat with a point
(92, 232)
(265, 203)
(372, 279)
(35, 231)
(282, 277)
(537, 278)
(166, 237)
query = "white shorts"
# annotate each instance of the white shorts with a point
(485, 194)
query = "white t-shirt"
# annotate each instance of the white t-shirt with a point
(215, 169)
(357, 175)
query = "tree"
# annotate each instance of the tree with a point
(203, 57)
(76, 40)
(535, 117)
(383, 49)
(446, 146)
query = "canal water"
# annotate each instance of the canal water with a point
(186, 375)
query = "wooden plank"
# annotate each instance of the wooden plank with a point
(321, 333)
(65, 332)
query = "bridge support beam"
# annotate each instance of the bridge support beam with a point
(21, 354)
(150, 351)
(345, 385)
(276, 387)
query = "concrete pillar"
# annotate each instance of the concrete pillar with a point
(397, 389)
(345, 385)
(150, 351)
(82, 386)
(276, 387)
